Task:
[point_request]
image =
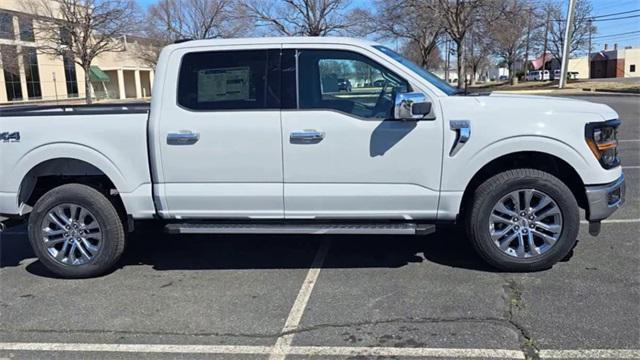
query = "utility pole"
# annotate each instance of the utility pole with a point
(590, 24)
(446, 62)
(567, 44)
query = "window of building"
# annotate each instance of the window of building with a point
(65, 36)
(11, 71)
(230, 80)
(6, 26)
(70, 75)
(30, 62)
(26, 28)
(632, 68)
(347, 82)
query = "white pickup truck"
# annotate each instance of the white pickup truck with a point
(258, 136)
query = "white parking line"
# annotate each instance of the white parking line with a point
(590, 354)
(393, 351)
(138, 348)
(631, 167)
(628, 140)
(283, 344)
(614, 221)
(459, 353)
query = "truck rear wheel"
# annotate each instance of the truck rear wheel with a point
(523, 220)
(76, 231)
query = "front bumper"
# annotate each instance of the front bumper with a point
(604, 200)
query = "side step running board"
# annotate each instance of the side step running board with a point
(318, 229)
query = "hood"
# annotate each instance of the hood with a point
(548, 105)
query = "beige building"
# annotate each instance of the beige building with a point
(27, 74)
(608, 63)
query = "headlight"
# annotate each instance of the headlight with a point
(602, 138)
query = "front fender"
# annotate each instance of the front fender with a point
(460, 172)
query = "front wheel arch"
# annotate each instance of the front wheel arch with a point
(532, 160)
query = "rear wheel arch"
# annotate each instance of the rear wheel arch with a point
(56, 172)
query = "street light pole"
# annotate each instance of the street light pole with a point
(567, 44)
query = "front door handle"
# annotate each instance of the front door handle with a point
(183, 137)
(306, 137)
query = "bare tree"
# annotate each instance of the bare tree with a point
(411, 21)
(509, 33)
(82, 29)
(415, 53)
(458, 17)
(300, 17)
(171, 20)
(580, 30)
(478, 48)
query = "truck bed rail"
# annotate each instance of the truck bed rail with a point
(82, 109)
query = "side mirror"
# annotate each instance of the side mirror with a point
(411, 106)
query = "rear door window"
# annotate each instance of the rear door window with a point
(230, 80)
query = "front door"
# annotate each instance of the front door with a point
(220, 142)
(344, 157)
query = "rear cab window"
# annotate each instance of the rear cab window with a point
(230, 80)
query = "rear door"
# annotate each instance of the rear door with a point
(220, 135)
(344, 155)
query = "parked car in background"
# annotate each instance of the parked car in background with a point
(242, 138)
(537, 75)
(344, 85)
(503, 78)
(379, 83)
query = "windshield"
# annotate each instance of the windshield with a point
(433, 79)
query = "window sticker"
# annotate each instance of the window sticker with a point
(223, 84)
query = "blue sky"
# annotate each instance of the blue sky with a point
(607, 30)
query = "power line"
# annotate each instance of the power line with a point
(612, 14)
(618, 18)
(598, 20)
(613, 35)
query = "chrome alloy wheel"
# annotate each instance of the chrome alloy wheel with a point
(71, 234)
(525, 223)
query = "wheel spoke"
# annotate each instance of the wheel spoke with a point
(554, 228)
(500, 233)
(62, 253)
(57, 221)
(528, 195)
(520, 248)
(504, 244)
(51, 243)
(503, 209)
(532, 245)
(499, 219)
(59, 211)
(547, 239)
(92, 249)
(515, 197)
(83, 252)
(544, 201)
(50, 232)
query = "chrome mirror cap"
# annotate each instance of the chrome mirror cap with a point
(404, 106)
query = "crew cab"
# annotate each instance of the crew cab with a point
(255, 136)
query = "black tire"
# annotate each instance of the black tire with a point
(106, 215)
(498, 186)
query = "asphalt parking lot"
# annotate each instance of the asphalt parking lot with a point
(339, 297)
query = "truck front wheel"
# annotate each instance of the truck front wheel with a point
(76, 231)
(523, 220)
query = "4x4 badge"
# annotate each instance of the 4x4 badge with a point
(10, 137)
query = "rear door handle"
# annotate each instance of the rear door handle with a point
(183, 137)
(306, 136)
